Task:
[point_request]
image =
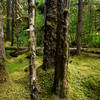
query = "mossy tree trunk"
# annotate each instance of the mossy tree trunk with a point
(8, 35)
(79, 27)
(50, 33)
(3, 72)
(62, 49)
(32, 50)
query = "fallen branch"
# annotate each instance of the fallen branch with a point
(88, 50)
(91, 50)
(72, 50)
(15, 48)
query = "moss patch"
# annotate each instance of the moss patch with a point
(84, 79)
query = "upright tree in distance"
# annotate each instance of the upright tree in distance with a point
(16, 22)
(3, 72)
(50, 33)
(8, 31)
(32, 50)
(79, 26)
(13, 6)
(62, 49)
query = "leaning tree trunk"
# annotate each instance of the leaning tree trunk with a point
(79, 27)
(62, 50)
(32, 50)
(3, 71)
(8, 35)
(50, 33)
(12, 39)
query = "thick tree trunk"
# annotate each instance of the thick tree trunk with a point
(12, 39)
(3, 71)
(32, 50)
(79, 27)
(50, 33)
(8, 35)
(62, 50)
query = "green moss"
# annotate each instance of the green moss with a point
(54, 36)
(51, 24)
(51, 38)
(66, 10)
(1, 64)
(30, 39)
(83, 75)
(7, 44)
(52, 16)
(29, 53)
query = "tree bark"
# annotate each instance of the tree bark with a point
(79, 27)
(13, 14)
(16, 22)
(62, 50)
(3, 71)
(8, 35)
(32, 50)
(50, 33)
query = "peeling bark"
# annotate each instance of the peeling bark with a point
(32, 50)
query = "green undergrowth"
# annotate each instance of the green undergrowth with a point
(84, 78)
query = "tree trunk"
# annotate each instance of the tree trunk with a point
(50, 33)
(8, 35)
(13, 5)
(62, 50)
(3, 71)
(32, 50)
(79, 27)
(16, 23)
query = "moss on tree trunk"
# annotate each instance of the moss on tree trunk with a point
(50, 33)
(62, 51)
(3, 71)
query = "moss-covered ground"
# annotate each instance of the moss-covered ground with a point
(84, 78)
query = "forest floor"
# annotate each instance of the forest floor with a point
(84, 78)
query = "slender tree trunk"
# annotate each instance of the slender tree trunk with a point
(50, 33)
(12, 39)
(3, 71)
(8, 35)
(32, 50)
(79, 27)
(90, 19)
(16, 22)
(95, 20)
(62, 50)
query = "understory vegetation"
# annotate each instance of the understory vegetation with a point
(44, 31)
(84, 78)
